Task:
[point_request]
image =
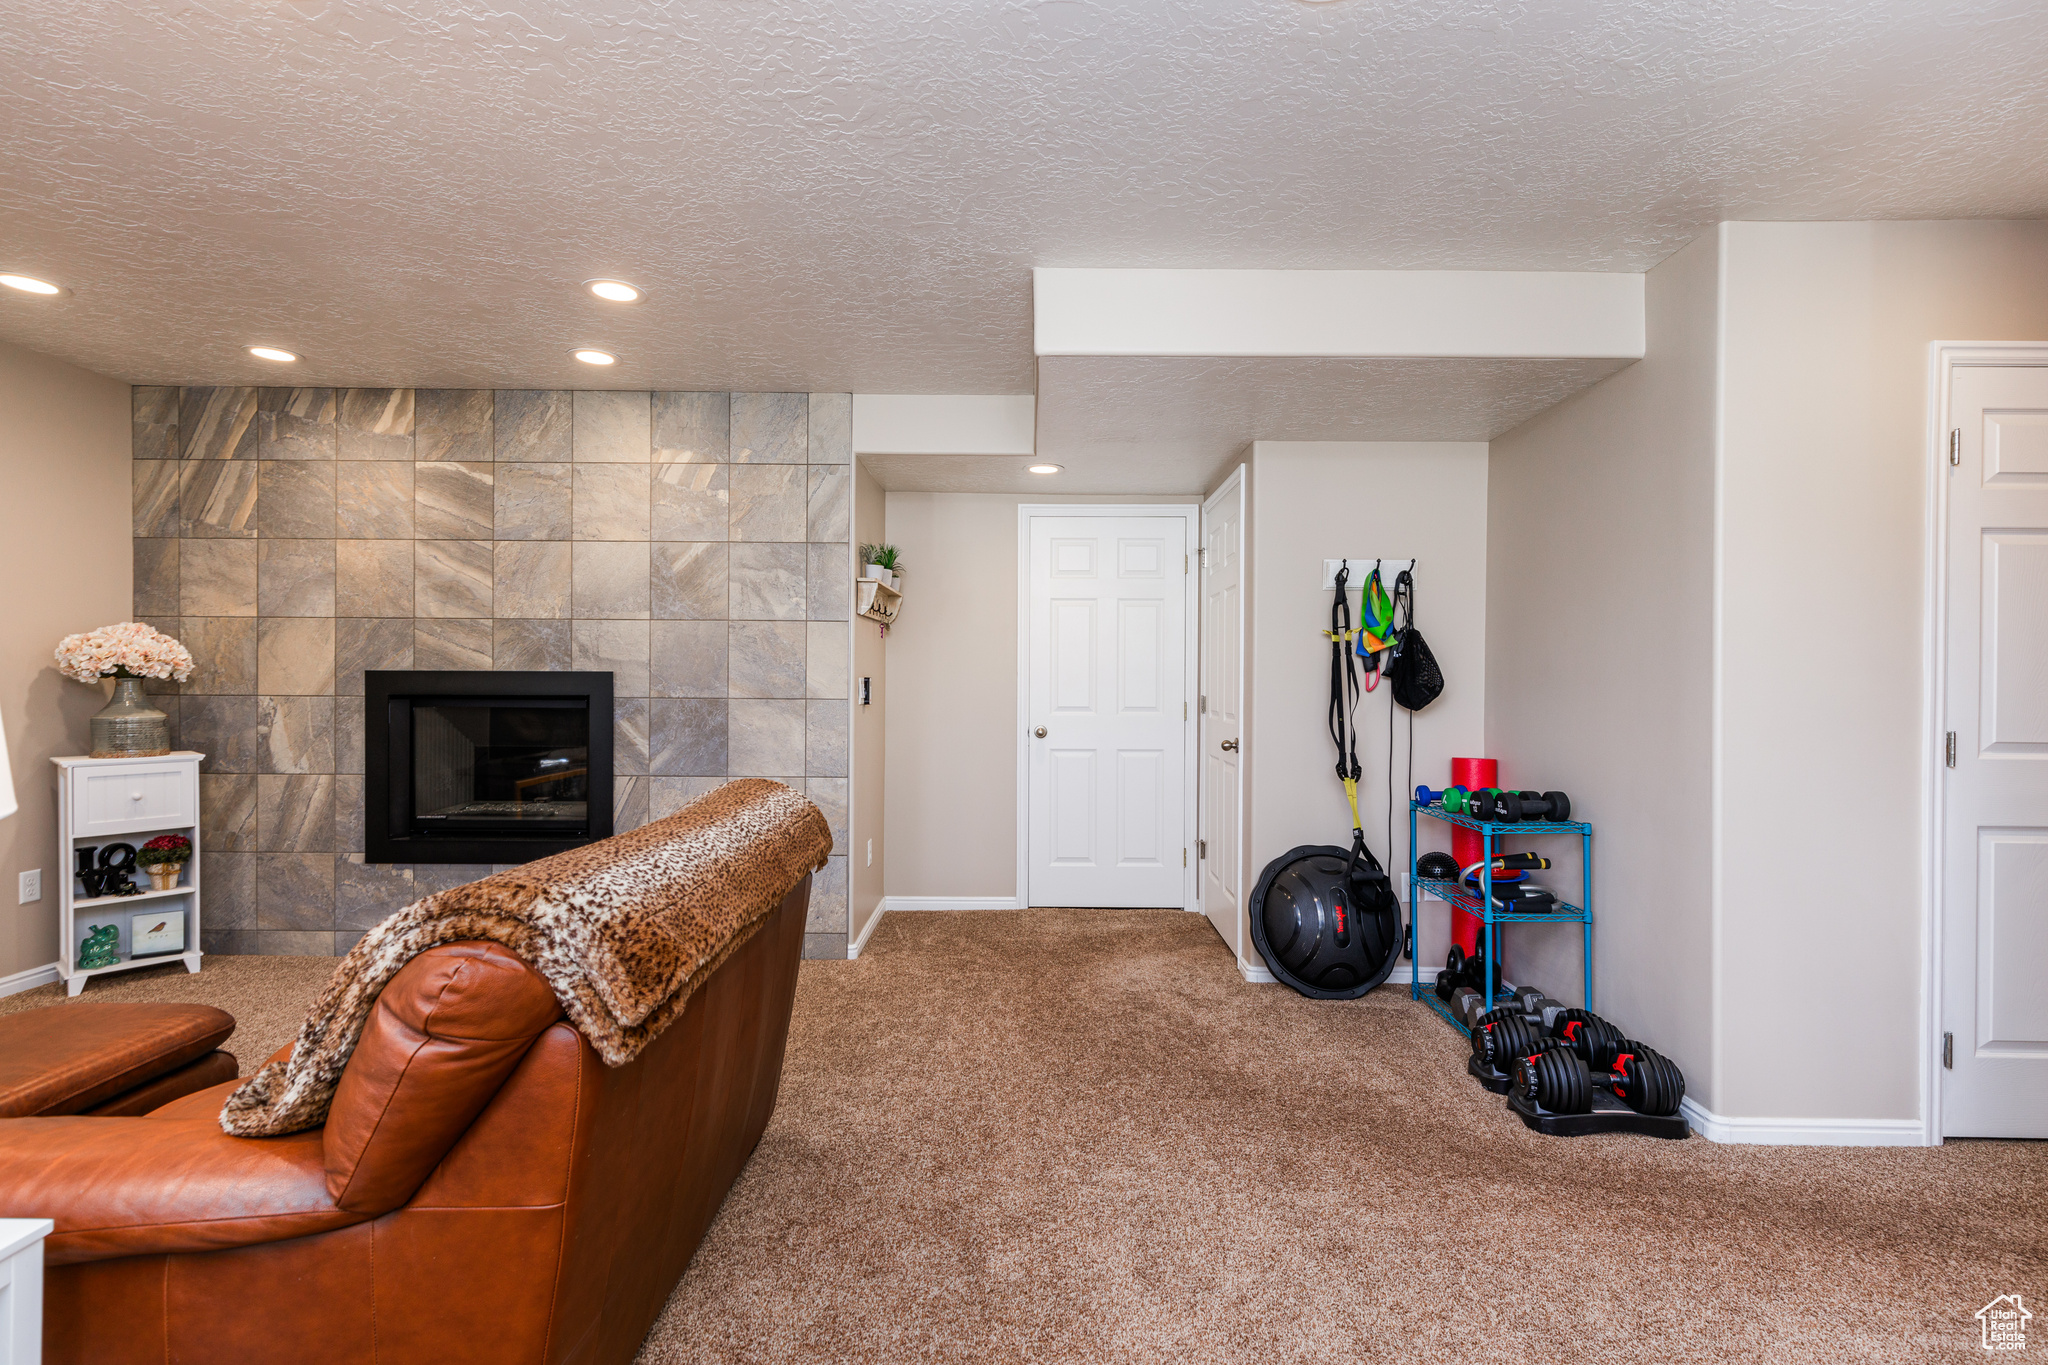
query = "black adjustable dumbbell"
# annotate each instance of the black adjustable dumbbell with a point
(1559, 1080)
(1502, 1035)
(1596, 1042)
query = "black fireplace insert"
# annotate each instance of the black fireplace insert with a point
(480, 767)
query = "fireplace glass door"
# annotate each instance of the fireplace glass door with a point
(482, 767)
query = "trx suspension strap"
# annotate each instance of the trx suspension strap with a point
(1344, 690)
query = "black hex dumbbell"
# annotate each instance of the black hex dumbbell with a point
(1516, 807)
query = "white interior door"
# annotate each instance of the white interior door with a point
(1220, 846)
(1995, 866)
(1107, 710)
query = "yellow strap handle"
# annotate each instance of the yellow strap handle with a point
(1351, 795)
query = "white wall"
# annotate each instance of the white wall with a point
(867, 796)
(65, 557)
(1313, 501)
(952, 745)
(1600, 524)
(1823, 758)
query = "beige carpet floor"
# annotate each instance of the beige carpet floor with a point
(1076, 1136)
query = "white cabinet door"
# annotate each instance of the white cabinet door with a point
(1221, 827)
(1107, 711)
(1995, 892)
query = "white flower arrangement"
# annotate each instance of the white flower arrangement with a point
(129, 650)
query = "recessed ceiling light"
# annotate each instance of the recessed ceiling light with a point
(613, 291)
(1046, 468)
(282, 357)
(29, 284)
(596, 357)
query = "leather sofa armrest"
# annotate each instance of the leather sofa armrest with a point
(144, 1186)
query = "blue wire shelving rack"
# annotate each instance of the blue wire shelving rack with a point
(1481, 906)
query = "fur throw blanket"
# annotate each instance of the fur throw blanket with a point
(624, 930)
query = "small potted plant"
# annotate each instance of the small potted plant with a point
(164, 858)
(882, 564)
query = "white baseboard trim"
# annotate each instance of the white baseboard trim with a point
(1256, 976)
(916, 903)
(853, 947)
(28, 980)
(1804, 1132)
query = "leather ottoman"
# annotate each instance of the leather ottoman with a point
(110, 1059)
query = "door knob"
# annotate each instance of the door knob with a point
(1040, 732)
(1228, 746)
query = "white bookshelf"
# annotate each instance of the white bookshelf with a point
(129, 801)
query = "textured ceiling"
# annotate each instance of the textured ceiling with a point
(849, 194)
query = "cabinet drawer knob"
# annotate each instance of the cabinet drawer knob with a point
(134, 796)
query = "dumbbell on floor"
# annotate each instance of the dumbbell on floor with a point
(1559, 1080)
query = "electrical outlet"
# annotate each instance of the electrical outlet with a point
(871, 853)
(31, 886)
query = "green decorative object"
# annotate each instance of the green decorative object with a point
(101, 948)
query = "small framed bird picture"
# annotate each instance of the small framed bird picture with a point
(156, 933)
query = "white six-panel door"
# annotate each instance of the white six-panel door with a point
(1221, 707)
(1994, 919)
(1106, 713)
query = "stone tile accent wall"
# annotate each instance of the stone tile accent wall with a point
(694, 544)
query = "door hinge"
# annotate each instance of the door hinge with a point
(1202, 703)
(1955, 446)
(1201, 848)
(1183, 563)
(1948, 1051)
(1183, 857)
(1183, 710)
(1951, 748)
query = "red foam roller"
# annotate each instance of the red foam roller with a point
(1466, 844)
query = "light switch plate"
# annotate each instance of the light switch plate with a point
(31, 886)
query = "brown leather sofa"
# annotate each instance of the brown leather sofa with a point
(88, 1057)
(484, 1189)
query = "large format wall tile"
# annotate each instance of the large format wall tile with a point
(217, 578)
(295, 498)
(374, 499)
(223, 655)
(531, 579)
(691, 502)
(156, 491)
(619, 647)
(295, 424)
(451, 644)
(532, 502)
(611, 427)
(767, 502)
(611, 502)
(156, 577)
(769, 428)
(294, 734)
(218, 424)
(452, 500)
(153, 423)
(375, 424)
(690, 428)
(453, 424)
(690, 581)
(532, 425)
(687, 658)
(295, 578)
(766, 583)
(364, 643)
(451, 578)
(295, 657)
(694, 545)
(609, 580)
(216, 499)
(767, 738)
(532, 646)
(767, 657)
(295, 813)
(373, 577)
